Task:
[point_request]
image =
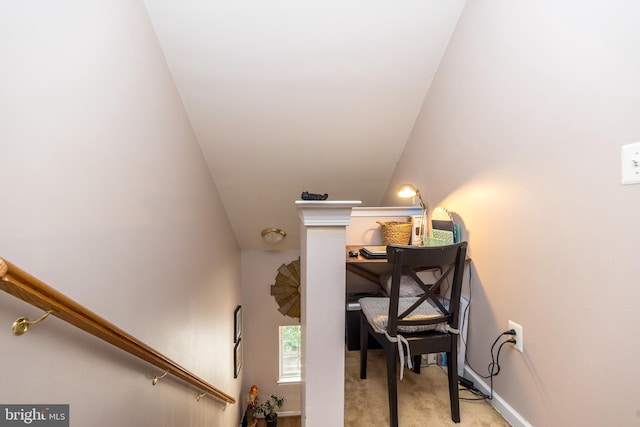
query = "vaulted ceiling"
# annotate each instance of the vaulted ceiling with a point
(287, 96)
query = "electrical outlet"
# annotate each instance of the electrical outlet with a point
(519, 345)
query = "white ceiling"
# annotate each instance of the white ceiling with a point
(287, 96)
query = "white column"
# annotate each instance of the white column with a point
(322, 263)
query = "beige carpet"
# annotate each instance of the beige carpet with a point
(423, 400)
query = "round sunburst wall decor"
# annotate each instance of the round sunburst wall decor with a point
(286, 290)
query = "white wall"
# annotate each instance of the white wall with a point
(261, 320)
(520, 135)
(106, 196)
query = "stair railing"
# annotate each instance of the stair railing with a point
(22, 285)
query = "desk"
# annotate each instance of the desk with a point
(364, 268)
(354, 265)
(359, 258)
(370, 270)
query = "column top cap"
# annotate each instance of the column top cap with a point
(326, 212)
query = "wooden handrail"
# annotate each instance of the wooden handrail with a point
(22, 285)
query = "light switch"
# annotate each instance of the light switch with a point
(631, 163)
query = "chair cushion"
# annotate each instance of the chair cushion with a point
(377, 312)
(408, 286)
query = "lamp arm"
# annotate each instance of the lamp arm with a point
(422, 205)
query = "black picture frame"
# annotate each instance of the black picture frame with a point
(237, 358)
(237, 324)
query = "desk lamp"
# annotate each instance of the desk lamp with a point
(407, 190)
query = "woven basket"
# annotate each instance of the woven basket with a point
(395, 233)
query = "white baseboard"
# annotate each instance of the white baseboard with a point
(509, 414)
(289, 413)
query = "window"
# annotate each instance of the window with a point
(290, 353)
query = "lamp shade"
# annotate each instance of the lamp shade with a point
(407, 190)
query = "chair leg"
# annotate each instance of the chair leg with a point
(364, 346)
(391, 352)
(452, 368)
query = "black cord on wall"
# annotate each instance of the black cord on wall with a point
(494, 367)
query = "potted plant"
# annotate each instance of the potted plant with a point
(268, 407)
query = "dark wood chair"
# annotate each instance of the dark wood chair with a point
(416, 325)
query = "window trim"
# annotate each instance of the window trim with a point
(286, 379)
